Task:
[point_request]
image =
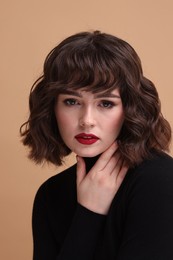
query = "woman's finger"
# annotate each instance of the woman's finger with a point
(81, 169)
(114, 164)
(123, 168)
(105, 157)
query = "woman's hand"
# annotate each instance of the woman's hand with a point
(97, 189)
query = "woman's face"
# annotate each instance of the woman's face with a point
(89, 123)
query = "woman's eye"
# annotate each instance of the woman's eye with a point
(70, 102)
(107, 104)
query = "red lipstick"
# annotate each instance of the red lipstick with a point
(86, 139)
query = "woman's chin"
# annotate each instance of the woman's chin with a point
(89, 150)
(88, 154)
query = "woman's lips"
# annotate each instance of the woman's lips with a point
(86, 138)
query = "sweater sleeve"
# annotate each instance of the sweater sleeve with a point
(83, 235)
(148, 228)
(80, 241)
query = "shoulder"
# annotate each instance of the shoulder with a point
(158, 164)
(153, 177)
(61, 183)
(148, 190)
(147, 209)
(61, 178)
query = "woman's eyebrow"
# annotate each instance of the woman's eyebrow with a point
(71, 92)
(107, 95)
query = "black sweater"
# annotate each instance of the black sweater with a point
(139, 225)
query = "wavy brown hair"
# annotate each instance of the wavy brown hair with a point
(97, 62)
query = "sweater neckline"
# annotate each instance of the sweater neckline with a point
(90, 161)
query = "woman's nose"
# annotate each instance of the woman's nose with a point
(87, 118)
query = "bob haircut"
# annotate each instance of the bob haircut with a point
(96, 62)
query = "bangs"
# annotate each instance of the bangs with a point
(90, 68)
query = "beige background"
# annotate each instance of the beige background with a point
(29, 30)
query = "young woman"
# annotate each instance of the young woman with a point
(116, 203)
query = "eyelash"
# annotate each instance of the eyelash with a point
(107, 104)
(70, 102)
(103, 103)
